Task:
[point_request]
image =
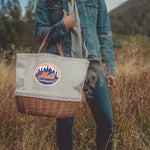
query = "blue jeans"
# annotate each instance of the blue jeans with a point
(97, 95)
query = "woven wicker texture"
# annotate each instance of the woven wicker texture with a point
(48, 108)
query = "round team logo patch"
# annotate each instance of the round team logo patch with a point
(47, 74)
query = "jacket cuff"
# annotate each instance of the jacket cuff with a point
(62, 27)
(59, 29)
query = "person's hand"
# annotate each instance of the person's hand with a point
(111, 81)
(69, 20)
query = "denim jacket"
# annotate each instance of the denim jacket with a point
(94, 22)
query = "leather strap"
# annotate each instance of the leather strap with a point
(59, 47)
(42, 43)
(42, 35)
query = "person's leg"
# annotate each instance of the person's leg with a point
(97, 95)
(64, 133)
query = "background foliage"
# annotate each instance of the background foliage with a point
(131, 18)
(16, 29)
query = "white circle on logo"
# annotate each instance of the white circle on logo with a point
(47, 74)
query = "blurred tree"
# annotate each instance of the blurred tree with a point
(10, 23)
(15, 10)
(3, 34)
(16, 29)
(27, 37)
(29, 14)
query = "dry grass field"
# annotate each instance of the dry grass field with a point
(130, 101)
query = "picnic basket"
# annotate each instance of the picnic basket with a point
(49, 85)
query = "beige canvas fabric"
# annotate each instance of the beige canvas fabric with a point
(72, 74)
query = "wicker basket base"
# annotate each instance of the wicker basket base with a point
(45, 107)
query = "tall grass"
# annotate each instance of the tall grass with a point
(130, 101)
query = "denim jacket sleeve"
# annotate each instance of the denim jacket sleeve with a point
(42, 21)
(105, 38)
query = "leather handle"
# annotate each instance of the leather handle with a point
(59, 47)
(42, 43)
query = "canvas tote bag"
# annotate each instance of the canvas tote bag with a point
(49, 85)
